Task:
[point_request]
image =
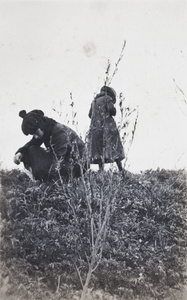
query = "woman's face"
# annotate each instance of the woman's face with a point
(38, 134)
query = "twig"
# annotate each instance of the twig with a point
(116, 65)
(58, 286)
(78, 272)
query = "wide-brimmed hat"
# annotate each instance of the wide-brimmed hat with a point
(31, 121)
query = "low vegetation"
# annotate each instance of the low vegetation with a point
(105, 236)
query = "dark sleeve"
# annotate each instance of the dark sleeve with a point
(33, 142)
(110, 107)
(90, 112)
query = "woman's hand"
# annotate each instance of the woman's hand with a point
(17, 158)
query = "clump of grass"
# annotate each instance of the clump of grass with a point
(49, 234)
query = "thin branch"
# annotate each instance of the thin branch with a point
(119, 59)
(58, 286)
(78, 272)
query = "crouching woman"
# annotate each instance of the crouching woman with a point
(64, 150)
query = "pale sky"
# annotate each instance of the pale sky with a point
(49, 49)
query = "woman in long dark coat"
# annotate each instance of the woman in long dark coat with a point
(104, 144)
(64, 150)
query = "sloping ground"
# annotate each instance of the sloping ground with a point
(47, 236)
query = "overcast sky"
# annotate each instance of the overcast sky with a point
(49, 49)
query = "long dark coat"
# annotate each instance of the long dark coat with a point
(104, 144)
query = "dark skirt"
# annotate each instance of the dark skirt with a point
(45, 166)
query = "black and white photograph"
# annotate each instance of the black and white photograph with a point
(93, 149)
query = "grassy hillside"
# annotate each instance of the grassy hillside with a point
(127, 232)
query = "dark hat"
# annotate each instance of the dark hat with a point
(110, 91)
(31, 121)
